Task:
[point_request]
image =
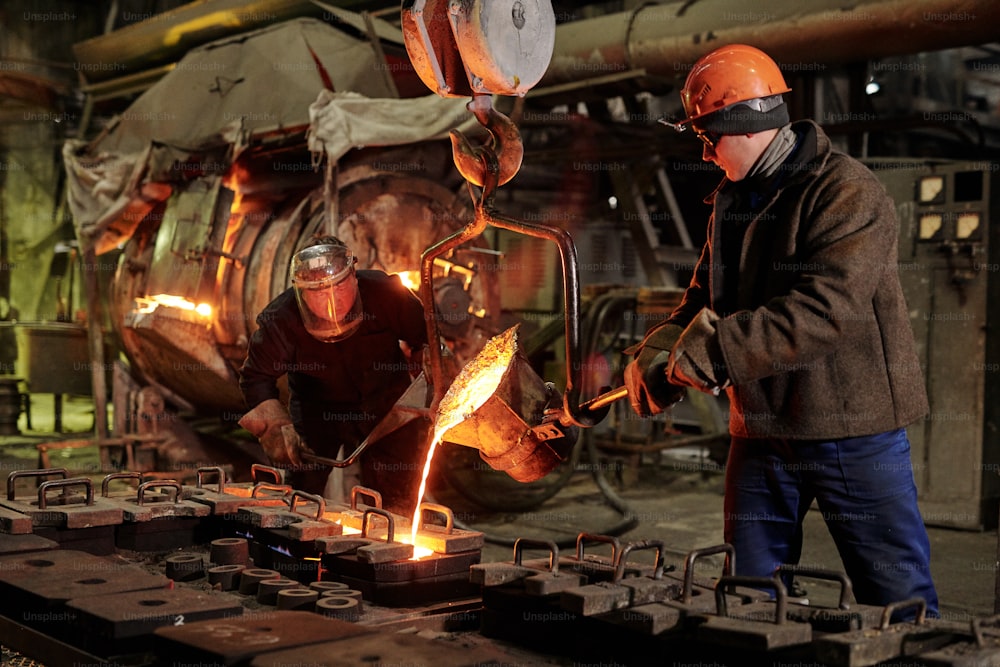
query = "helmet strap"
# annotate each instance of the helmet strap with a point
(742, 119)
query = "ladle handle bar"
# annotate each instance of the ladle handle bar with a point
(607, 398)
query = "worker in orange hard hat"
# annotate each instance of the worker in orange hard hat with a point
(348, 342)
(796, 312)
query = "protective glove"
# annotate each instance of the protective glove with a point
(645, 377)
(265, 422)
(696, 358)
(293, 444)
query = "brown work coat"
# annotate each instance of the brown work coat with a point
(817, 341)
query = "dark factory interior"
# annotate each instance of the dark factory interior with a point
(485, 453)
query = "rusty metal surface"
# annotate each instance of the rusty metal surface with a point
(299, 525)
(416, 592)
(647, 619)
(166, 534)
(401, 570)
(446, 539)
(354, 516)
(225, 577)
(53, 577)
(341, 544)
(302, 564)
(862, 648)
(44, 648)
(888, 641)
(67, 510)
(378, 553)
(229, 501)
(105, 622)
(387, 649)
(34, 588)
(267, 590)
(752, 635)
(236, 641)
(147, 506)
(13, 522)
(498, 574)
(751, 631)
(99, 540)
(184, 566)
(981, 650)
(604, 597)
(18, 544)
(339, 607)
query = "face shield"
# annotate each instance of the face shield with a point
(326, 290)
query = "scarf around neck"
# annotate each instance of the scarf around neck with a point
(775, 154)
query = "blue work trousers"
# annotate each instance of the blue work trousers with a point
(863, 487)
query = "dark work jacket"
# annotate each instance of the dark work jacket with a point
(337, 391)
(816, 340)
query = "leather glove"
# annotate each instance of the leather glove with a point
(645, 377)
(696, 358)
(265, 422)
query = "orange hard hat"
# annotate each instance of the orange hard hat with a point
(730, 75)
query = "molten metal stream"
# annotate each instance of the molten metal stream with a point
(473, 386)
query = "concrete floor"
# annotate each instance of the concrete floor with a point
(676, 496)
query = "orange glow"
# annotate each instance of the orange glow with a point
(233, 224)
(410, 279)
(420, 552)
(345, 530)
(474, 385)
(148, 304)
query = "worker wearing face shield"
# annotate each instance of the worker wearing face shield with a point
(326, 291)
(348, 342)
(796, 311)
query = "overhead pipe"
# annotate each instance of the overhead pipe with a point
(165, 37)
(664, 40)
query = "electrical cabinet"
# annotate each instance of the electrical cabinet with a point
(949, 262)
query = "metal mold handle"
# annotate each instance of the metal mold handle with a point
(158, 484)
(47, 472)
(365, 491)
(606, 539)
(985, 632)
(390, 523)
(106, 482)
(846, 588)
(264, 486)
(258, 468)
(446, 512)
(44, 488)
(694, 555)
(319, 500)
(636, 546)
(919, 603)
(521, 543)
(201, 472)
(780, 594)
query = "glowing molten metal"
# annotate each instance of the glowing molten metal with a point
(410, 279)
(473, 386)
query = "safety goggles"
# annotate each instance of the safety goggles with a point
(710, 139)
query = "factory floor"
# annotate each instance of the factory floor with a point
(679, 504)
(675, 495)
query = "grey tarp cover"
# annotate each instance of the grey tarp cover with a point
(221, 94)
